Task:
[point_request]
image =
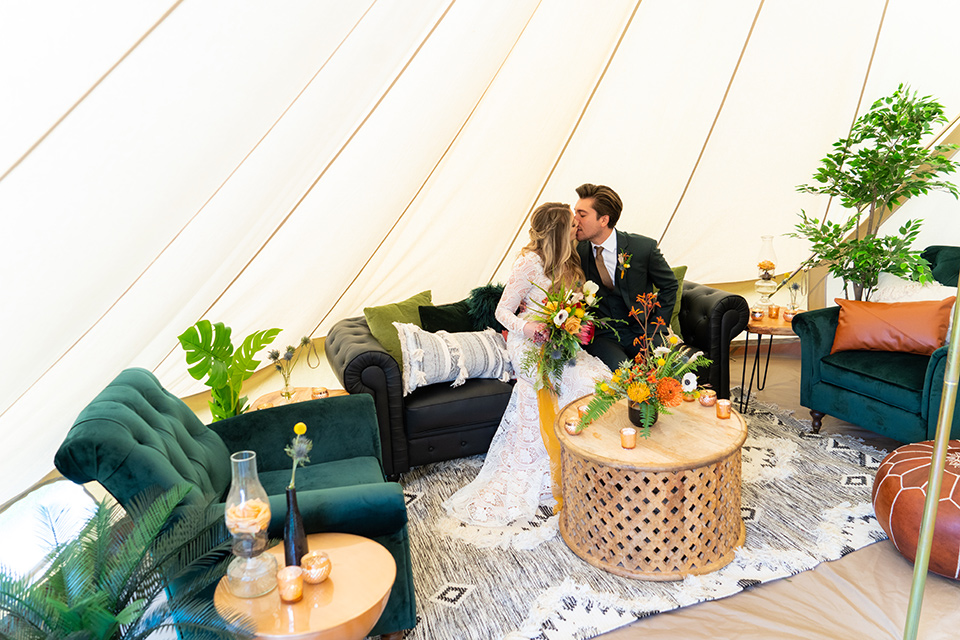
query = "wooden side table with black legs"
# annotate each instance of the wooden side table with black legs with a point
(765, 326)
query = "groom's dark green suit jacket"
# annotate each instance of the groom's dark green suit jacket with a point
(647, 268)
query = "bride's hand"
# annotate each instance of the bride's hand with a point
(531, 328)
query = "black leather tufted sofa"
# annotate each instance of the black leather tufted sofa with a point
(440, 422)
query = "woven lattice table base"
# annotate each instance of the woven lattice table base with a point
(652, 525)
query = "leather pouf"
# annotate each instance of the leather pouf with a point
(899, 492)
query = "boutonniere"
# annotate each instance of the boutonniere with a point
(624, 259)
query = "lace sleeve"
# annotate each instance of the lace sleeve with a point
(525, 271)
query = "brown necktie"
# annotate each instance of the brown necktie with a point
(602, 269)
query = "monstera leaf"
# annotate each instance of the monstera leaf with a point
(210, 353)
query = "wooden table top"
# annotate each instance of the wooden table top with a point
(343, 607)
(692, 436)
(771, 326)
(300, 394)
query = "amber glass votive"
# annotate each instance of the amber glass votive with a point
(708, 397)
(756, 313)
(318, 392)
(773, 311)
(570, 425)
(316, 566)
(788, 315)
(723, 409)
(582, 410)
(628, 437)
(290, 583)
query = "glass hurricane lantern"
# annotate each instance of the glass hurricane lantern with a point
(766, 266)
(251, 573)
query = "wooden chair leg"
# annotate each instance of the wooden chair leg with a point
(816, 420)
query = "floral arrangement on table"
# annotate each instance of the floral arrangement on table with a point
(286, 361)
(571, 321)
(654, 381)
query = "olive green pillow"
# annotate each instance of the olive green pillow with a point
(381, 319)
(679, 272)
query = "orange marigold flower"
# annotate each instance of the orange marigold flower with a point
(670, 392)
(638, 392)
(652, 377)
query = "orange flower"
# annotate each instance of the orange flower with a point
(652, 377)
(572, 325)
(670, 392)
(250, 516)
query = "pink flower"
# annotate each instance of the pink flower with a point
(541, 336)
(586, 333)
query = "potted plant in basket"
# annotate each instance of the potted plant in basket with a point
(882, 163)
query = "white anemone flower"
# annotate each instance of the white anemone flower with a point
(689, 382)
(661, 351)
(590, 288)
(561, 317)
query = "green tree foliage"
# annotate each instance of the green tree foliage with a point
(881, 164)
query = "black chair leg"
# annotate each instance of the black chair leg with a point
(816, 418)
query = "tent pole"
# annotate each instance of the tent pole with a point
(941, 441)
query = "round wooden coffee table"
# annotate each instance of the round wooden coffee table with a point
(343, 607)
(664, 510)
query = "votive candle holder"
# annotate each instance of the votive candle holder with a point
(723, 409)
(290, 583)
(628, 437)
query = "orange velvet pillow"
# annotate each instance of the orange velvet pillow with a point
(910, 327)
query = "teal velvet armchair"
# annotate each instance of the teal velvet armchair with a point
(135, 435)
(894, 394)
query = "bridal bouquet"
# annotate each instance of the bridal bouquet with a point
(656, 378)
(571, 320)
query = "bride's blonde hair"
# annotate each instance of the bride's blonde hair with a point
(550, 238)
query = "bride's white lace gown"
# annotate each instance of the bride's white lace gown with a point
(515, 477)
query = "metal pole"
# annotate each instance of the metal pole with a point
(941, 441)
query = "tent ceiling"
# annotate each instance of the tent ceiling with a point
(267, 164)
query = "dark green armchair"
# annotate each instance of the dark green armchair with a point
(135, 435)
(894, 394)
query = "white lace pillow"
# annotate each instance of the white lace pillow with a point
(891, 288)
(429, 358)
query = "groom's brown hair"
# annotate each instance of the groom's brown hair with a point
(606, 202)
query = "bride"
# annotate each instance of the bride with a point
(515, 478)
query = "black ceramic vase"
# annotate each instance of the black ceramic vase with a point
(637, 411)
(294, 537)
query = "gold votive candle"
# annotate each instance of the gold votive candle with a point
(582, 410)
(689, 396)
(773, 311)
(628, 437)
(290, 583)
(318, 392)
(723, 409)
(788, 315)
(756, 313)
(570, 425)
(264, 405)
(316, 566)
(708, 397)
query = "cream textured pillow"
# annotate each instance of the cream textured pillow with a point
(429, 358)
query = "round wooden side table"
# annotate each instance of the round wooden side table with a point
(664, 510)
(343, 607)
(765, 326)
(300, 394)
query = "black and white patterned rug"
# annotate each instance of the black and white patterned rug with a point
(805, 500)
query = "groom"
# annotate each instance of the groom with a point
(631, 265)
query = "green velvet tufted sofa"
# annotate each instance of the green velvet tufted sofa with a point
(890, 393)
(136, 435)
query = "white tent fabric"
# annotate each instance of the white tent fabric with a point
(286, 164)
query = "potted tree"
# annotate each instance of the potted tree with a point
(882, 163)
(105, 583)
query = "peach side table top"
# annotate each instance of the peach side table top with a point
(343, 607)
(300, 394)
